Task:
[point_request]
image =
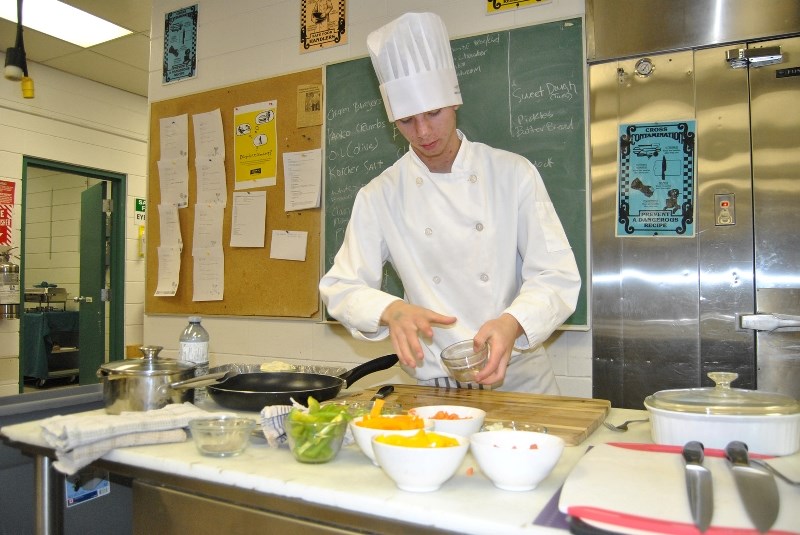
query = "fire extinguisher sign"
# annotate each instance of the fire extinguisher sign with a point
(6, 210)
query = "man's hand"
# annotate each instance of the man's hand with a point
(406, 324)
(500, 333)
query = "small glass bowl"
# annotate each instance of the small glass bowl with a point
(462, 362)
(221, 436)
(315, 442)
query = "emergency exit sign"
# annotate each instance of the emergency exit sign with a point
(140, 211)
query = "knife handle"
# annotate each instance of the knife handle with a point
(693, 452)
(736, 453)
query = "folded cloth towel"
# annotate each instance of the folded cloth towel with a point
(71, 431)
(69, 462)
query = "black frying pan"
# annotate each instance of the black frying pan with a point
(254, 391)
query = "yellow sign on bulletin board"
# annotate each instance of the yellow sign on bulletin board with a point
(255, 144)
(495, 6)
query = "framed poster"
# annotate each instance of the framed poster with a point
(656, 182)
(180, 45)
(322, 24)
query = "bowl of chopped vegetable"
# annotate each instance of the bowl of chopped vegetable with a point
(316, 434)
(421, 462)
(457, 419)
(367, 426)
(516, 460)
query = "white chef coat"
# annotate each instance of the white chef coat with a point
(473, 243)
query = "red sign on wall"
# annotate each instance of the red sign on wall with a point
(6, 210)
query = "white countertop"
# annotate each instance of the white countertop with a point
(467, 504)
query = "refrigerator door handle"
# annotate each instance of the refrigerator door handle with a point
(768, 322)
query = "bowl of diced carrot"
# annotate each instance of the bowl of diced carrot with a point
(457, 419)
(516, 460)
(421, 462)
(367, 426)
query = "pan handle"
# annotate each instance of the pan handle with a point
(381, 363)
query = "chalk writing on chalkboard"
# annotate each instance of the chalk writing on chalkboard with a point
(523, 91)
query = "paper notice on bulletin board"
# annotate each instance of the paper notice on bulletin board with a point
(255, 145)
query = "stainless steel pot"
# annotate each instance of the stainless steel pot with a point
(146, 383)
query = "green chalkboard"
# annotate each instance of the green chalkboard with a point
(523, 91)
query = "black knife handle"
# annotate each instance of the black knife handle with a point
(736, 453)
(693, 452)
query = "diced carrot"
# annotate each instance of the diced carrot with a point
(470, 471)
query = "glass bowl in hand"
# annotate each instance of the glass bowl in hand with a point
(462, 362)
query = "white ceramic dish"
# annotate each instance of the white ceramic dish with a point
(470, 419)
(764, 434)
(508, 459)
(768, 422)
(363, 435)
(420, 469)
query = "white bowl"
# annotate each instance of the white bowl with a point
(508, 459)
(420, 469)
(470, 419)
(363, 435)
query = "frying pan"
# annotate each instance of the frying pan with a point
(254, 391)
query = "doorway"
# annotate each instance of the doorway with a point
(72, 271)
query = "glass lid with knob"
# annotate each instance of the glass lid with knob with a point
(723, 399)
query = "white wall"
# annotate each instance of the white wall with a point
(84, 123)
(250, 40)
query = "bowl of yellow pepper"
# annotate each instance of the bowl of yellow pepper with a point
(421, 462)
(367, 426)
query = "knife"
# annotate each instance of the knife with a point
(698, 485)
(757, 487)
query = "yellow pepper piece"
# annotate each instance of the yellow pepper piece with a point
(391, 423)
(423, 439)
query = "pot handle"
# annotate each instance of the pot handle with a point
(203, 380)
(381, 363)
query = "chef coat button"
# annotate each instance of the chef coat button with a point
(473, 178)
(437, 279)
(419, 181)
(428, 231)
(484, 277)
(479, 227)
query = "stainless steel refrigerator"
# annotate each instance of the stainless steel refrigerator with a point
(669, 307)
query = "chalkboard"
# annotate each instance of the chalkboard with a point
(523, 91)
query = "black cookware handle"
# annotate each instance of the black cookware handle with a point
(381, 363)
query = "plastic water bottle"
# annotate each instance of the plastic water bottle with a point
(194, 349)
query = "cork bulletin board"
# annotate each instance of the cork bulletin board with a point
(255, 284)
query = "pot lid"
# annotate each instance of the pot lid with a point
(149, 364)
(722, 399)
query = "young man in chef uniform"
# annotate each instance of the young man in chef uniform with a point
(469, 229)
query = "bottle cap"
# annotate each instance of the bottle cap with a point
(194, 319)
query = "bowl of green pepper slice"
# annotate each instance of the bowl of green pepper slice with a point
(316, 434)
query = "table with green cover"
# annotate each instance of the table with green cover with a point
(38, 332)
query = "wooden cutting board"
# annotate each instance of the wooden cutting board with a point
(572, 419)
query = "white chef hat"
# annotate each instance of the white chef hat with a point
(414, 64)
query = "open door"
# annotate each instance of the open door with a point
(93, 294)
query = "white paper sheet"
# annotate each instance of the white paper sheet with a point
(211, 181)
(207, 227)
(289, 245)
(169, 226)
(303, 179)
(209, 274)
(173, 179)
(169, 269)
(209, 141)
(249, 218)
(174, 134)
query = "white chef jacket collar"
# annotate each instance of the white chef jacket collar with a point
(461, 162)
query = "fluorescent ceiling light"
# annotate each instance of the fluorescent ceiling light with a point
(63, 22)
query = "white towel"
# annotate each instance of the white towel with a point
(69, 462)
(68, 432)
